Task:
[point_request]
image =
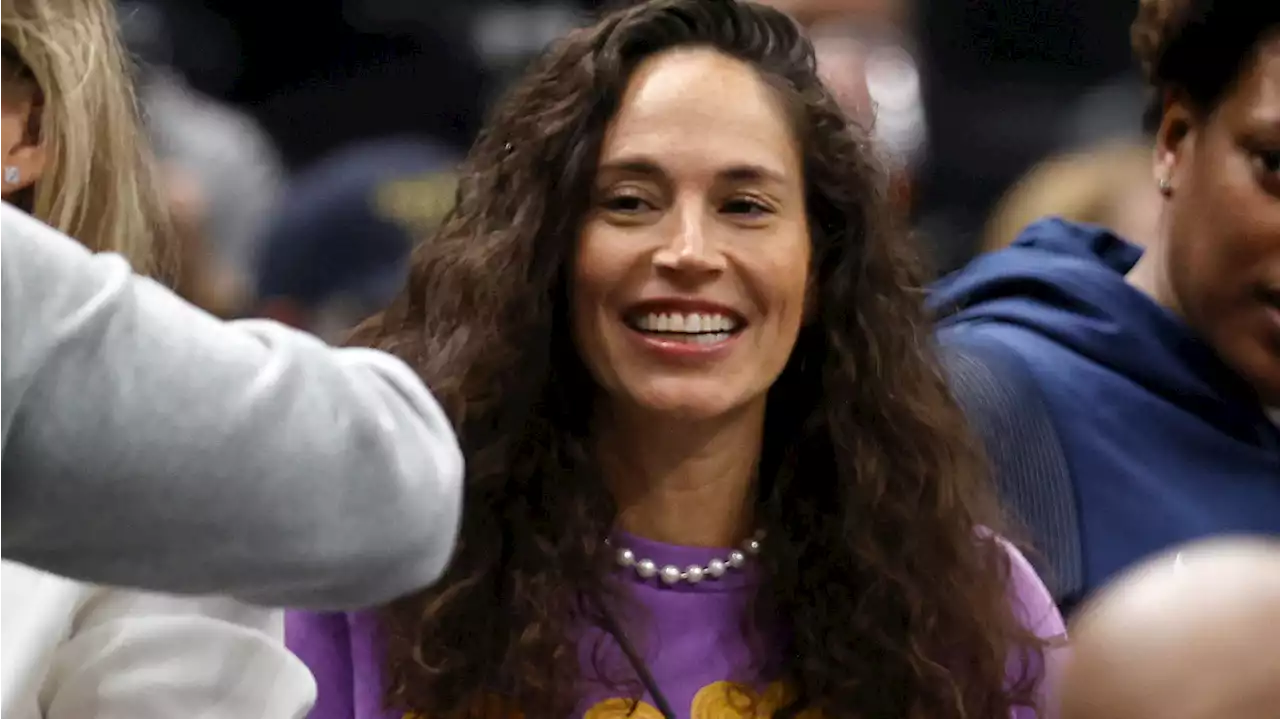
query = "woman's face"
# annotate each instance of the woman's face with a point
(691, 272)
(1223, 251)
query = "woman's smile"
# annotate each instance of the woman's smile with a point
(684, 329)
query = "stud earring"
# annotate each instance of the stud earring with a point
(1165, 187)
(11, 175)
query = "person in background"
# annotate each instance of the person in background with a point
(1156, 370)
(200, 277)
(713, 469)
(865, 59)
(811, 13)
(1109, 185)
(875, 78)
(1190, 634)
(221, 172)
(223, 179)
(175, 453)
(336, 249)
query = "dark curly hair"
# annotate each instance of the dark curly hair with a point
(870, 487)
(1197, 48)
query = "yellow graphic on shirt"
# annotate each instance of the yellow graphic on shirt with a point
(718, 700)
(621, 709)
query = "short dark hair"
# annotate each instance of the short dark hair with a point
(1197, 48)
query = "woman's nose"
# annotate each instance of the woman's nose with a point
(690, 247)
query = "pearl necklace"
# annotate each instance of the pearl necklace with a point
(694, 573)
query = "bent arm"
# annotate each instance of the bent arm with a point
(148, 444)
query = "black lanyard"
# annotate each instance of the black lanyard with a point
(633, 657)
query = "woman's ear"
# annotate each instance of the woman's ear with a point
(1174, 139)
(24, 151)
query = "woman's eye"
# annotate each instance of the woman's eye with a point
(627, 204)
(746, 206)
(1269, 161)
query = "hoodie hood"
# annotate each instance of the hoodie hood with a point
(1066, 282)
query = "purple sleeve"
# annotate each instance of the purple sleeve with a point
(1034, 605)
(323, 643)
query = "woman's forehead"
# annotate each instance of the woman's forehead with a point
(698, 82)
(690, 104)
(1256, 97)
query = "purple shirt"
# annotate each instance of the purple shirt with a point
(694, 644)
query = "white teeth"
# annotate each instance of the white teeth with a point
(701, 324)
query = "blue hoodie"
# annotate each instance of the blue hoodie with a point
(1163, 442)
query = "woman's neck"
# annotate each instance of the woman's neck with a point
(686, 483)
(1150, 277)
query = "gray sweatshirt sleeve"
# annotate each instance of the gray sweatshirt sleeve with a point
(147, 444)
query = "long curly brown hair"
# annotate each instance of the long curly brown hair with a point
(871, 489)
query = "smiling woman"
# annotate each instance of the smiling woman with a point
(712, 467)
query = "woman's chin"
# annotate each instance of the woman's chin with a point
(685, 412)
(689, 404)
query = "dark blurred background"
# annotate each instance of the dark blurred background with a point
(969, 94)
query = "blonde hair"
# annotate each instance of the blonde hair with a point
(99, 182)
(1081, 187)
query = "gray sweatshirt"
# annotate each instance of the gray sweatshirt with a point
(147, 444)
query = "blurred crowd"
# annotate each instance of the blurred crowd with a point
(989, 116)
